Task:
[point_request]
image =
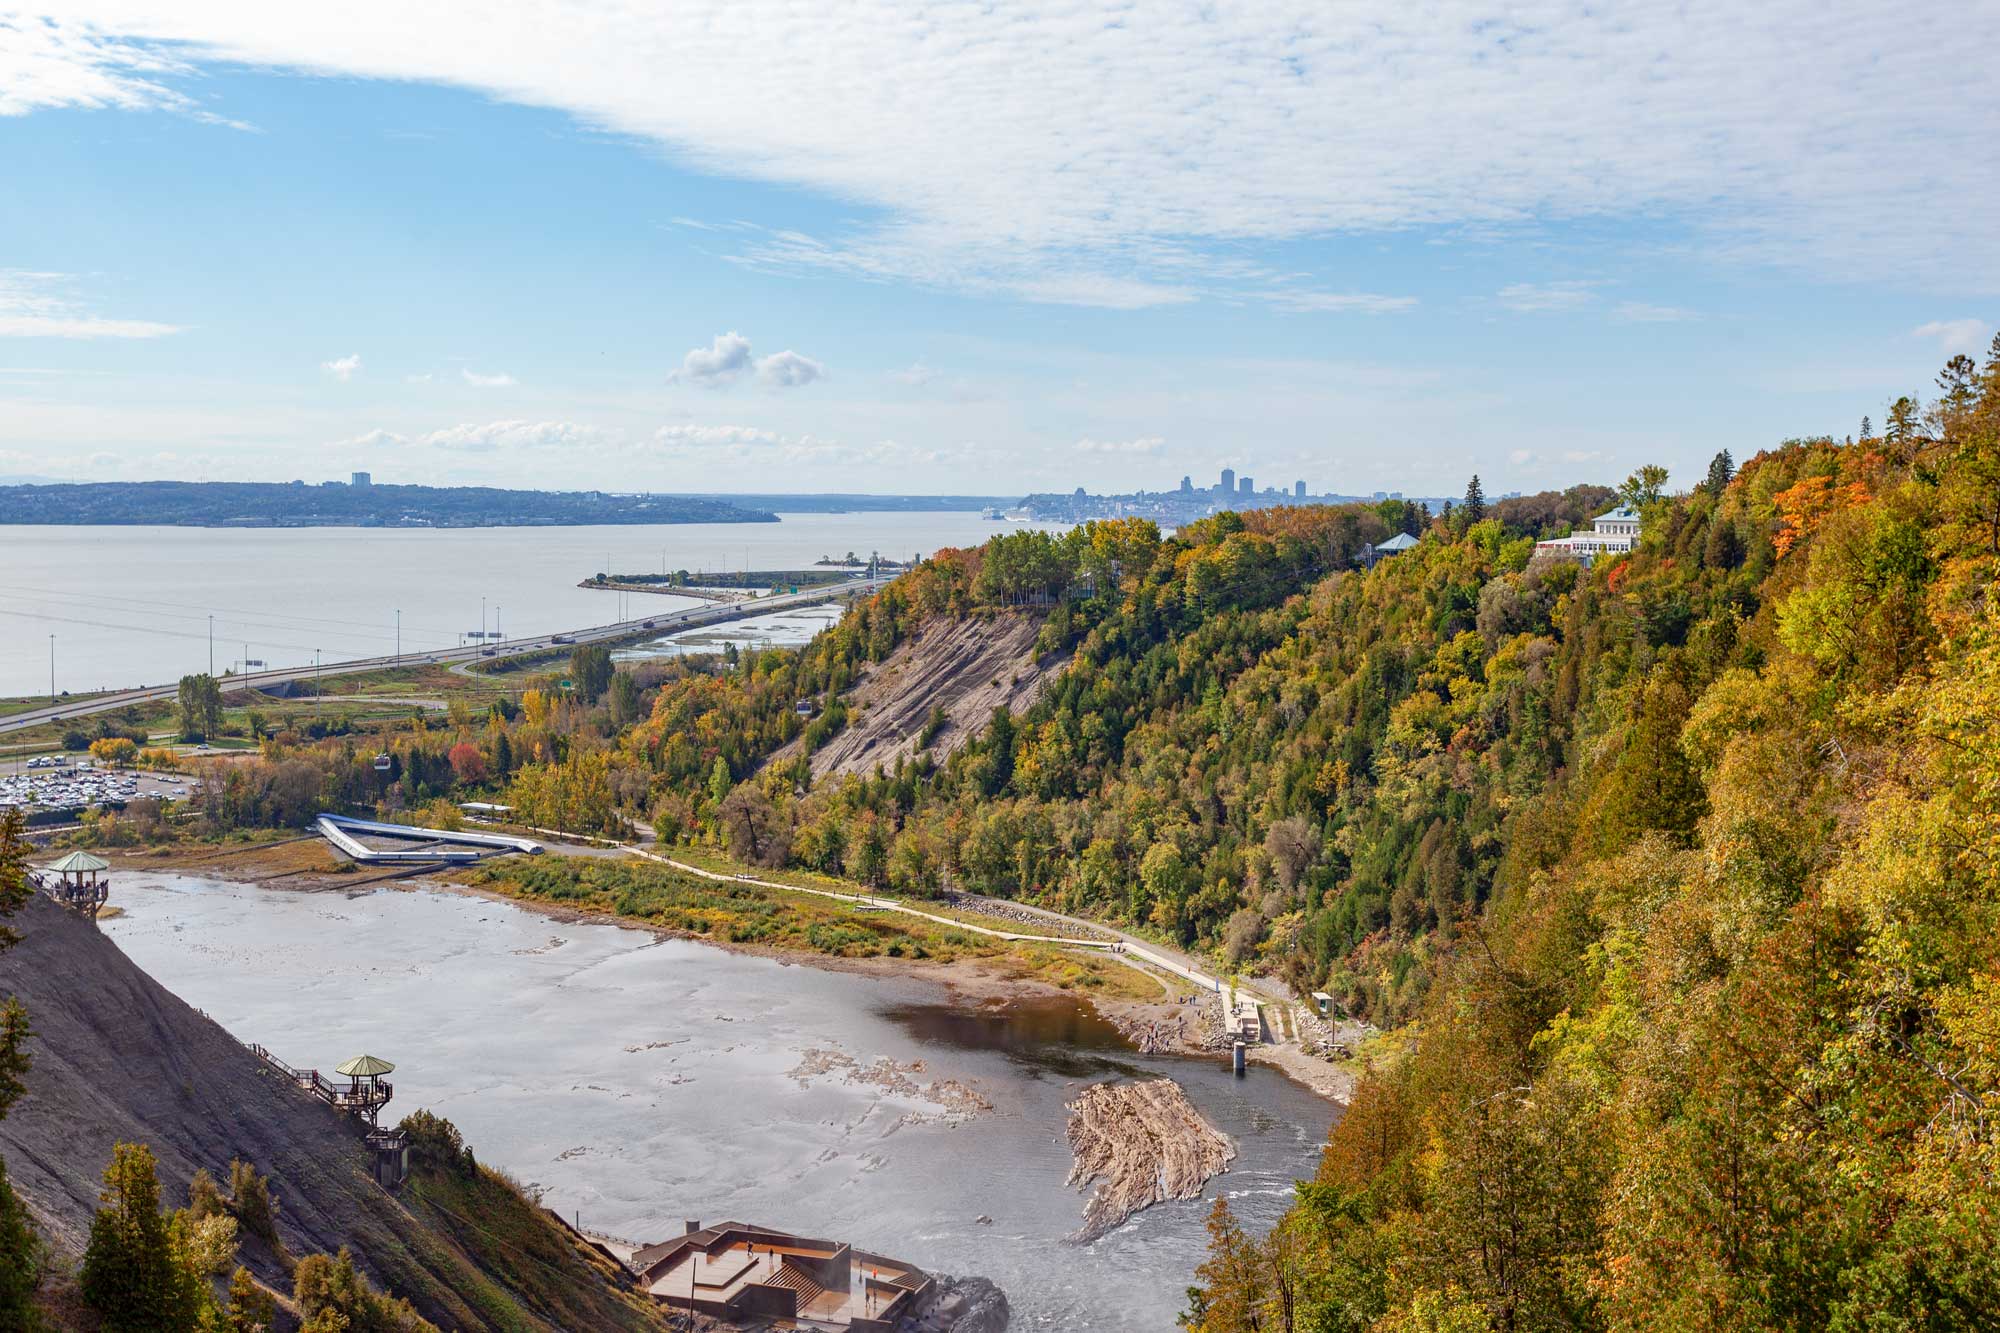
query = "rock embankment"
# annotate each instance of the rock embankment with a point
(965, 668)
(1141, 1142)
(964, 1305)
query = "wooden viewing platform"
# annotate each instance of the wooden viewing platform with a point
(76, 882)
(364, 1095)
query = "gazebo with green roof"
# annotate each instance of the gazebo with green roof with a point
(367, 1093)
(79, 882)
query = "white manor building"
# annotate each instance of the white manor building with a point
(1614, 533)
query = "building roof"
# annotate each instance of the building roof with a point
(1622, 514)
(365, 1066)
(80, 862)
(1402, 541)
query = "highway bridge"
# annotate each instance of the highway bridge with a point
(662, 623)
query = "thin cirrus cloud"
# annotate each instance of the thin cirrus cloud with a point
(1211, 128)
(1645, 312)
(1357, 303)
(479, 381)
(343, 368)
(728, 359)
(488, 437)
(1536, 298)
(39, 305)
(1147, 444)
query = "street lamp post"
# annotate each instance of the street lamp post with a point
(211, 647)
(315, 677)
(399, 636)
(52, 668)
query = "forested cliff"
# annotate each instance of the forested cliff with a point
(1675, 876)
(1672, 879)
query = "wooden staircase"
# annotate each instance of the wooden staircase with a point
(794, 1279)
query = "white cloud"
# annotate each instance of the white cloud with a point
(719, 363)
(373, 439)
(1341, 303)
(1519, 456)
(915, 376)
(760, 449)
(789, 370)
(479, 381)
(35, 305)
(1955, 336)
(1642, 312)
(684, 435)
(1534, 298)
(496, 435)
(342, 368)
(1120, 141)
(727, 359)
(1149, 444)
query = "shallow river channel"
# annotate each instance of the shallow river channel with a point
(644, 1083)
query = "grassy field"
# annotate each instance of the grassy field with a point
(722, 865)
(736, 913)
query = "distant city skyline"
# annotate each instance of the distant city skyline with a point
(593, 246)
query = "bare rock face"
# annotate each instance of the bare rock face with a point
(1141, 1142)
(964, 1305)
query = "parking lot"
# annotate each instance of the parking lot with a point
(67, 783)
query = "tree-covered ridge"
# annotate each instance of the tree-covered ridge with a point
(216, 504)
(1720, 1049)
(1248, 750)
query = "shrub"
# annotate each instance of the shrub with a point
(436, 1145)
(333, 1296)
(250, 1194)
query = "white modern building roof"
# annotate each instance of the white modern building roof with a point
(1612, 533)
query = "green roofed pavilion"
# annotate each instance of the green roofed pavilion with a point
(365, 1066)
(80, 863)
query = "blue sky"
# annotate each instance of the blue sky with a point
(926, 247)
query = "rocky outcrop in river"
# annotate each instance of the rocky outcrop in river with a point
(1141, 1142)
(964, 1305)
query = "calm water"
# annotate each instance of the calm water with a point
(131, 606)
(644, 1083)
(780, 629)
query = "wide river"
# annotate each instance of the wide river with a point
(132, 606)
(645, 1083)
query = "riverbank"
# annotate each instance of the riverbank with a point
(755, 920)
(640, 1080)
(1159, 1014)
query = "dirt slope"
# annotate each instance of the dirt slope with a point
(968, 667)
(117, 1058)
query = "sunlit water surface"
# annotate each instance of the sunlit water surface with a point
(645, 1082)
(132, 605)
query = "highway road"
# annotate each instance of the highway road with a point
(691, 618)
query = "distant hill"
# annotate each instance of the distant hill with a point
(235, 504)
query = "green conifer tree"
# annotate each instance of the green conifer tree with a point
(130, 1274)
(1721, 469)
